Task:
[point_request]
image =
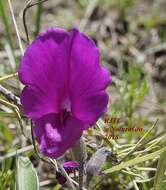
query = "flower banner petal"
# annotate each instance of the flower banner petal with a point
(88, 79)
(45, 67)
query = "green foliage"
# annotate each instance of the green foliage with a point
(38, 19)
(162, 31)
(158, 182)
(6, 174)
(6, 21)
(5, 136)
(5, 179)
(135, 161)
(57, 187)
(149, 22)
(26, 175)
(122, 4)
(83, 3)
(133, 87)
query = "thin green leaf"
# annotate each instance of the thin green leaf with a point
(135, 161)
(6, 22)
(158, 182)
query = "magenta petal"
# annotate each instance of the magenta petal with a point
(70, 166)
(44, 67)
(88, 80)
(91, 107)
(36, 103)
(54, 137)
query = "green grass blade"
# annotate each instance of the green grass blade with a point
(135, 161)
(6, 22)
(158, 182)
(38, 19)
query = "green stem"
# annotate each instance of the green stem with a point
(80, 154)
(38, 19)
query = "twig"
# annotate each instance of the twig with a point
(16, 110)
(67, 177)
(3, 54)
(35, 147)
(47, 182)
(157, 48)
(19, 151)
(8, 77)
(10, 55)
(135, 185)
(27, 6)
(81, 176)
(80, 154)
(77, 183)
(9, 96)
(24, 20)
(16, 28)
(92, 5)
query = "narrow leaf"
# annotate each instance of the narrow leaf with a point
(135, 161)
(158, 182)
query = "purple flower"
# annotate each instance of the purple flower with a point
(70, 167)
(65, 88)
